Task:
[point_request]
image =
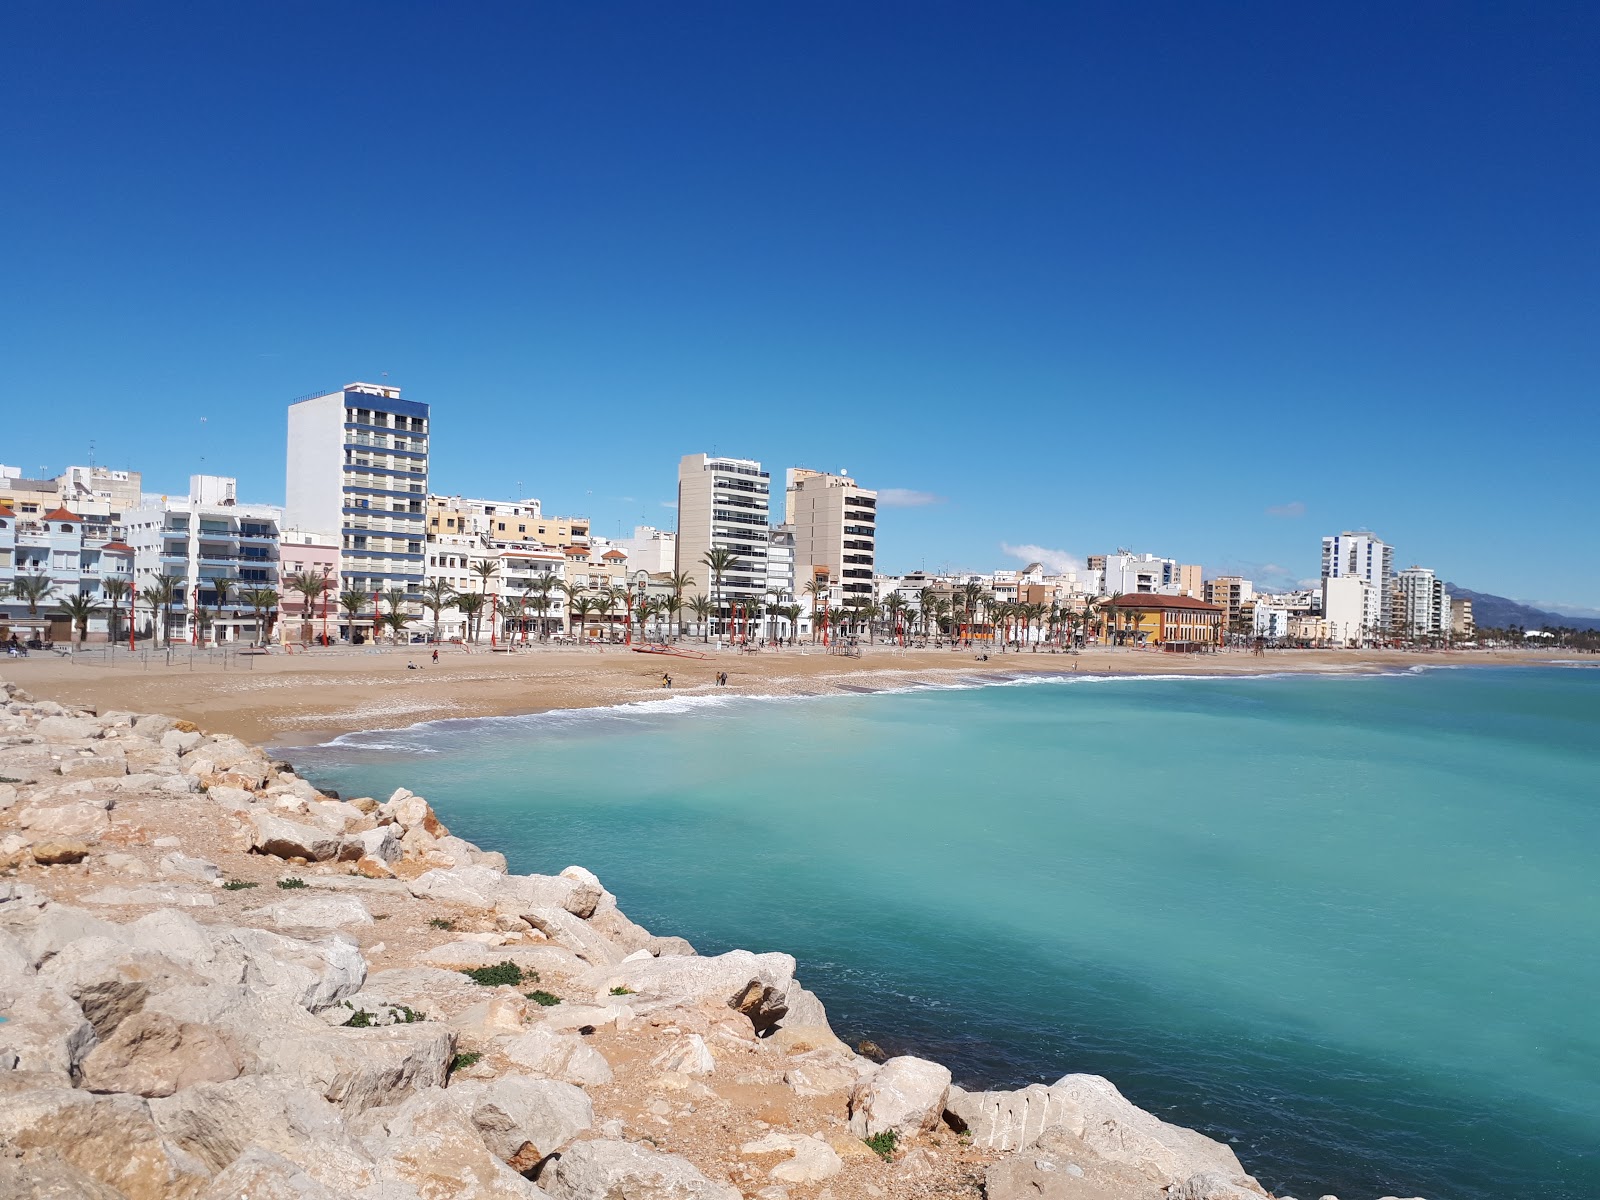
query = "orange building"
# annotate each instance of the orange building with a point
(1176, 623)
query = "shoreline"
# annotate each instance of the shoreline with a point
(304, 699)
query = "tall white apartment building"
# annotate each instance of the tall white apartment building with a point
(723, 505)
(358, 468)
(1424, 603)
(199, 539)
(1364, 556)
(835, 523)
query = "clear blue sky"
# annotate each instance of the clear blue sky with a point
(1207, 280)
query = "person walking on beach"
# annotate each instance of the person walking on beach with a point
(666, 680)
(436, 654)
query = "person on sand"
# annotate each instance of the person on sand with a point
(436, 654)
(411, 666)
(666, 680)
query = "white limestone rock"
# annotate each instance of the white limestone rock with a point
(314, 912)
(563, 1056)
(603, 1168)
(906, 1095)
(287, 839)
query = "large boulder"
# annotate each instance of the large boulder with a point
(288, 839)
(905, 1096)
(806, 1159)
(471, 887)
(259, 1174)
(217, 1123)
(44, 1031)
(80, 819)
(597, 1170)
(111, 1139)
(563, 1056)
(522, 1121)
(754, 984)
(314, 912)
(314, 974)
(359, 1069)
(151, 1054)
(1091, 1110)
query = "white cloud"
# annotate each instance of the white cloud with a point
(906, 498)
(1295, 508)
(669, 504)
(1057, 562)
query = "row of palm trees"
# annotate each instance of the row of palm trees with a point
(160, 595)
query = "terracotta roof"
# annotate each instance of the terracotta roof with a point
(118, 548)
(613, 554)
(62, 514)
(5, 511)
(583, 550)
(1151, 600)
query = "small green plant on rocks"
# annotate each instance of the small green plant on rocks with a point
(883, 1144)
(619, 990)
(289, 883)
(239, 885)
(505, 972)
(441, 923)
(360, 1019)
(462, 1061)
(543, 999)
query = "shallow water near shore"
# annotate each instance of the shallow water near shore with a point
(1346, 924)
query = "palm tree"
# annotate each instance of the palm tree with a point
(160, 595)
(32, 590)
(352, 603)
(572, 590)
(541, 602)
(720, 562)
(817, 588)
(515, 611)
(397, 618)
(943, 614)
(262, 601)
(792, 614)
(437, 595)
(894, 607)
(927, 604)
(680, 582)
(971, 596)
(581, 608)
(223, 586)
(311, 585)
(486, 569)
(702, 608)
(470, 605)
(78, 610)
(117, 590)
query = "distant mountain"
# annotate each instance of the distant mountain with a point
(1498, 612)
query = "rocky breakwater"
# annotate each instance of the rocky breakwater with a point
(218, 982)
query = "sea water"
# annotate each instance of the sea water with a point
(1346, 924)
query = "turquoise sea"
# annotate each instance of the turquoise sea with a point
(1347, 924)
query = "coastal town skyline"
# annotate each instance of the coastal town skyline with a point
(1053, 291)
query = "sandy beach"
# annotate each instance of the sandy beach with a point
(304, 697)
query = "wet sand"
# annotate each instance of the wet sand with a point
(303, 697)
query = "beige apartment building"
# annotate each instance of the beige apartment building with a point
(1461, 623)
(723, 504)
(510, 522)
(835, 523)
(1190, 581)
(1230, 593)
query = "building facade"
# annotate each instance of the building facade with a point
(1424, 604)
(1177, 623)
(835, 524)
(1363, 556)
(1350, 608)
(358, 468)
(1230, 593)
(214, 550)
(69, 556)
(723, 504)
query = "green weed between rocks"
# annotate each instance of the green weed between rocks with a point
(462, 1061)
(239, 885)
(543, 999)
(883, 1144)
(504, 972)
(441, 923)
(622, 991)
(289, 883)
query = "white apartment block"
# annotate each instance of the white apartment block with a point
(1351, 608)
(835, 523)
(1124, 573)
(1424, 603)
(723, 504)
(78, 555)
(358, 468)
(1364, 556)
(651, 549)
(199, 539)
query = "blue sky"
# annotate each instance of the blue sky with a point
(1204, 280)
